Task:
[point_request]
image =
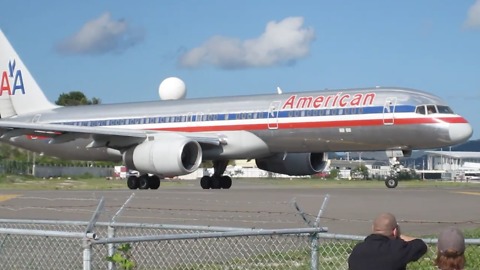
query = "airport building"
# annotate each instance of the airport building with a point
(453, 165)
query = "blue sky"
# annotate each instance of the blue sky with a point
(120, 52)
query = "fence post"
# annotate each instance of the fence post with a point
(314, 258)
(90, 235)
(87, 254)
(111, 232)
(111, 247)
(315, 235)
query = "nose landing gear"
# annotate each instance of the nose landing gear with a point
(392, 180)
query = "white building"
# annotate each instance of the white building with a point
(453, 164)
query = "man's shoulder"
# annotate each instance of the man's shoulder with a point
(376, 237)
(370, 241)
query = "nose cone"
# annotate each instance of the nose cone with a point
(460, 132)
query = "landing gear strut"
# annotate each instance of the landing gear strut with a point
(392, 180)
(143, 181)
(217, 180)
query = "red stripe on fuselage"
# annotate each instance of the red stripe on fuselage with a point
(453, 120)
(319, 124)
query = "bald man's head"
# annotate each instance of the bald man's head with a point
(385, 224)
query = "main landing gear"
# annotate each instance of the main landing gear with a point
(143, 181)
(217, 180)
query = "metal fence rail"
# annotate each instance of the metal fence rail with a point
(60, 244)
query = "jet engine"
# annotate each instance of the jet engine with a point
(172, 156)
(294, 163)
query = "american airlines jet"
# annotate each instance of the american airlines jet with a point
(288, 133)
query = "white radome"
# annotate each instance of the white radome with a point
(172, 88)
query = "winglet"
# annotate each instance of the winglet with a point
(19, 92)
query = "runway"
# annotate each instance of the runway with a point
(420, 211)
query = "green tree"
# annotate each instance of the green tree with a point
(333, 173)
(361, 172)
(75, 98)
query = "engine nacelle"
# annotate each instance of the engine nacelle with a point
(294, 163)
(169, 156)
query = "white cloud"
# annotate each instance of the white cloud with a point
(282, 43)
(473, 16)
(101, 35)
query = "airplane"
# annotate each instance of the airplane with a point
(287, 133)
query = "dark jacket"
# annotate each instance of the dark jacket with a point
(378, 252)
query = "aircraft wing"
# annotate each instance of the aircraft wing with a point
(102, 136)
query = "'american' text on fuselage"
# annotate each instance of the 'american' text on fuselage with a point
(338, 100)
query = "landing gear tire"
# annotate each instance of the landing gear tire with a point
(154, 182)
(205, 182)
(391, 182)
(143, 182)
(226, 182)
(132, 182)
(215, 182)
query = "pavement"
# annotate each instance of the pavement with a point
(419, 211)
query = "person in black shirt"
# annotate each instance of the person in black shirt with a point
(386, 248)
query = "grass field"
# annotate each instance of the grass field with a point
(85, 183)
(80, 183)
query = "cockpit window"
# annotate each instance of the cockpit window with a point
(431, 109)
(444, 109)
(420, 109)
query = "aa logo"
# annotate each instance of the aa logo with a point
(12, 81)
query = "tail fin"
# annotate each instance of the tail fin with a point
(19, 93)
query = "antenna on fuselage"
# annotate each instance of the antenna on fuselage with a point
(279, 90)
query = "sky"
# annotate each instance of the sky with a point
(120, 52)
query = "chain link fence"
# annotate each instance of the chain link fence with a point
(64, 245)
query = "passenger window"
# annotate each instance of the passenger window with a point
(420, 109)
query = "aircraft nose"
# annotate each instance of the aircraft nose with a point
(460, 132)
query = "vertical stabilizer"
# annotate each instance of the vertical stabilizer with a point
(19, 92)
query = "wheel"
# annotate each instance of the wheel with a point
(143, 182)
(154, 182)
(205, 182)
(226, 181)
(391, 182)
(132, 182)
(215, 182)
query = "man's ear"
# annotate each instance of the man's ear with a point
(396, 232)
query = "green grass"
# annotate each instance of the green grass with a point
(292, 260)
(330, 183)
(86, 182)
(24, 182)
